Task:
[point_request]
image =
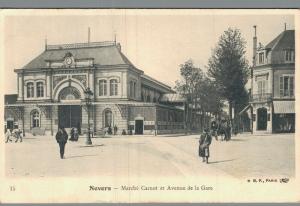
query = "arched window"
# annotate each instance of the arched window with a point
(102, 88)
(113, 87)
(35, 118)
(40, 89)
(30, 89)
(108, 118)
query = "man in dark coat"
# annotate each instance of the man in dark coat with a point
(61, 138)
(204, 143)
(214, 128)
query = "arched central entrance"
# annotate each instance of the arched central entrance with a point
(69, 114)
(262, 119)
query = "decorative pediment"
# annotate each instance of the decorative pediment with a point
(264, 76)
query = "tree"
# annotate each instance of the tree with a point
(229, 68)
(201, 93)
(191, 76)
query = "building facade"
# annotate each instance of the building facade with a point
(51, 93)
(272, 99)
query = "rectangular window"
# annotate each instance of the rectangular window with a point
(30, 90)
(40, 89)
(113, 87)
(134, 89)
(261, 58)
(286, 86)
(262, 87)
(289, 55)
(102, 88)
(130, 89)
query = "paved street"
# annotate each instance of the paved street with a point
(169, 155)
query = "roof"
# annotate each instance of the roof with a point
(152, 80)
(172, 98)
(284, 40)
(103, 53)
(10, 98)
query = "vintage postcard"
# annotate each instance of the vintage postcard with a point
(143, 106)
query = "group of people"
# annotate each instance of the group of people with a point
(109, 130)
(221, 128)
(16, 133)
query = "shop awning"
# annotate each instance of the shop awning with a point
(245, 109)
(284, 107)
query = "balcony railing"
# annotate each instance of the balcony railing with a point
(265, 97)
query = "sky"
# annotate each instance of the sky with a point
(156, 43)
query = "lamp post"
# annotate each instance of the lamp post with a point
(88, 101)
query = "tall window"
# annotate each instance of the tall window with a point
(30, 90)
(132, 89)
(261, 58)
(35, 116)
(286, 85)
(262, 87)
(108, 118)
(113, 87)
(289, 55)
(40, 89)
(102, 88)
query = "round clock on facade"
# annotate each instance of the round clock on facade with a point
(68, 60)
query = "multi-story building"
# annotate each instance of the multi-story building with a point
(273, 84)
(51, 93)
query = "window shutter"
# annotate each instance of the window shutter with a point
(281, 86)
(291, 86)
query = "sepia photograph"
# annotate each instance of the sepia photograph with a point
(149, 105)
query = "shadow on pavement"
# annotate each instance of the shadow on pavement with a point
(221, 161)
(238, 140)
(93, 145)
(175, 135)
(70, 157)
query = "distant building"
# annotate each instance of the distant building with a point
(272, 100)
(51, 93)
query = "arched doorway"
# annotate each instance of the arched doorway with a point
(108, 118)
(69, 115)
(262, 119)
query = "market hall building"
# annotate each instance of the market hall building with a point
(51, 93)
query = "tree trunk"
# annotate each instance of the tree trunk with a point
(230, 110)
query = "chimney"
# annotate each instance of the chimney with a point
(46, 43)
(254, 46)
(89, 35)
(284, 26)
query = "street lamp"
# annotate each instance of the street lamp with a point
(88, 101)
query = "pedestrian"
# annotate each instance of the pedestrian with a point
(61, 138)
(109, 130)
(204, 143)
(115, 129)
(214, 128)
(72, 134)
(76, 134)
(8, 135)
(18, 135)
